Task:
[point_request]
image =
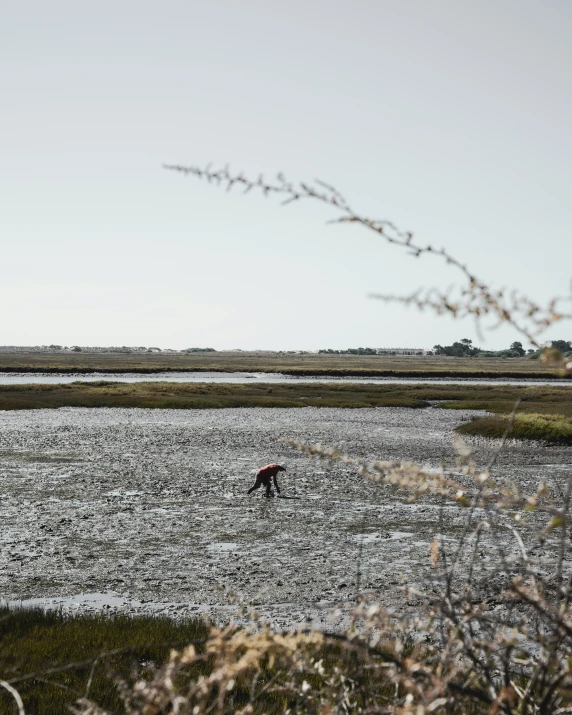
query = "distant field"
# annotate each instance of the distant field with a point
(334, 365)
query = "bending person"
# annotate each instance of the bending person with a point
(264, 475)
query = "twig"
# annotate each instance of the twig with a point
(507, 431)
(476, 299)
(15, 694)
(89, 680)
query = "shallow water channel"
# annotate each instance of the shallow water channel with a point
(22, 378)
(146, 510)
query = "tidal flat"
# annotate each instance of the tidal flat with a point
(146, 510)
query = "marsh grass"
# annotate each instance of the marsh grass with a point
(34, 641)
(493, 398)
(167, 395)
(551, 428)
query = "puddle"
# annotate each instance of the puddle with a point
(319, 612)
(381, 536)
(222, 546)
(83, 601)
(123, 493)
(421, 507)
(550, 466)
(369, 538)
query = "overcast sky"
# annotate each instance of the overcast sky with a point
(450, 118)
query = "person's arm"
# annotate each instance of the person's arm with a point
(276, 484)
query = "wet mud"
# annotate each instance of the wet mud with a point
(146, 510)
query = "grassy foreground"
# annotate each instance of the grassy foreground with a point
(49, 659)
(548, 409)
(32, 641)
(289, 364)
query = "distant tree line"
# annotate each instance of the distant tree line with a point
(200, 350)
(465, 348)
(351, 351)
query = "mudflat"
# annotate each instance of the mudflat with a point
(147, 508)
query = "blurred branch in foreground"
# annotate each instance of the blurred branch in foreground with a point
(476, 298)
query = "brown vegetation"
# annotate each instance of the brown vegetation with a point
(288, 364)
(181, 395)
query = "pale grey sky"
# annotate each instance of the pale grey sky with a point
(450, 118)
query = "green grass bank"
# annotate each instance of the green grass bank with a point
(34, 641)
(551, 428)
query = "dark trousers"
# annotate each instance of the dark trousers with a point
(259, 482)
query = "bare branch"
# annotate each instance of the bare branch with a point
(476, 299)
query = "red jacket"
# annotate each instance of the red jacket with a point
(270, 470)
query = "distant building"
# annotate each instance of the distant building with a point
(401, 351)
(30, 348)
(81, 348)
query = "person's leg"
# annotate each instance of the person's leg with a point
(257, 484)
